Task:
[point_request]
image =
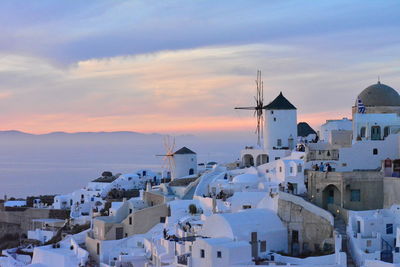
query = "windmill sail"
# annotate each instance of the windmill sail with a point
(258, 108)
(168, 157)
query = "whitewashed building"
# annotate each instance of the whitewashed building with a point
(185, 163)
(280, 134)
(261, 227)
(215, 252)
(375, 236)
(330, 126)
(373, 138)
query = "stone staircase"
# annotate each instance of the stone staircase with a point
(340, 227)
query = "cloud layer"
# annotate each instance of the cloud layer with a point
(171, 66)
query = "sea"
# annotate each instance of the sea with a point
(58, 163)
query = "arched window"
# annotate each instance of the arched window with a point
(362, 132)
(386, 131)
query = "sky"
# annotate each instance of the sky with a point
(182, 66)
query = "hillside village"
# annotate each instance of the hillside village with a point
(300, 197)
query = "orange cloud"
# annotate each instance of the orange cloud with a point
(192, 90)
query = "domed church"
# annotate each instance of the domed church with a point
(379, 98)
(376, 113)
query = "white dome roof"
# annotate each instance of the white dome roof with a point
(246, 178)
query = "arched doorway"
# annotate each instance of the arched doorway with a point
(261, 159)
(248, 160)
(330, 195)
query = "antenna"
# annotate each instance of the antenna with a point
(258, 108)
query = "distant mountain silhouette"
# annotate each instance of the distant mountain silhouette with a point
(119, 135)
(14, 133)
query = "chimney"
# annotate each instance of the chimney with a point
(148, 187)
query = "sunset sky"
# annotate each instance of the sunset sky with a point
(182, 66)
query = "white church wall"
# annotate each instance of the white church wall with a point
(360, 156)
(372, 119)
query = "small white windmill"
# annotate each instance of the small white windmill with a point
(168, 157)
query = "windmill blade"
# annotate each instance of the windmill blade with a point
(165, 164)
(247, 108)
(171, 164)
(259, 108)
(173, 146)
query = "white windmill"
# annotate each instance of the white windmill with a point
(168, 157)
(180, 163)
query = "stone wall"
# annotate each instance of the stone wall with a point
(314, 225)
(391, 191)
(9, 228)
(24, 218)
(370, 184)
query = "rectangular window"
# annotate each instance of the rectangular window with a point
(202, 253)
(130, 220)
(291, 169)
(279, 142)
(130, 211)
(389, 228)
(245, 207)
(98, 249)
(280, 169)
(299, 168)
(219, 254)
(276, 158)
(263, 246)
(162, 219)
(355, 195)
(375, 151)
